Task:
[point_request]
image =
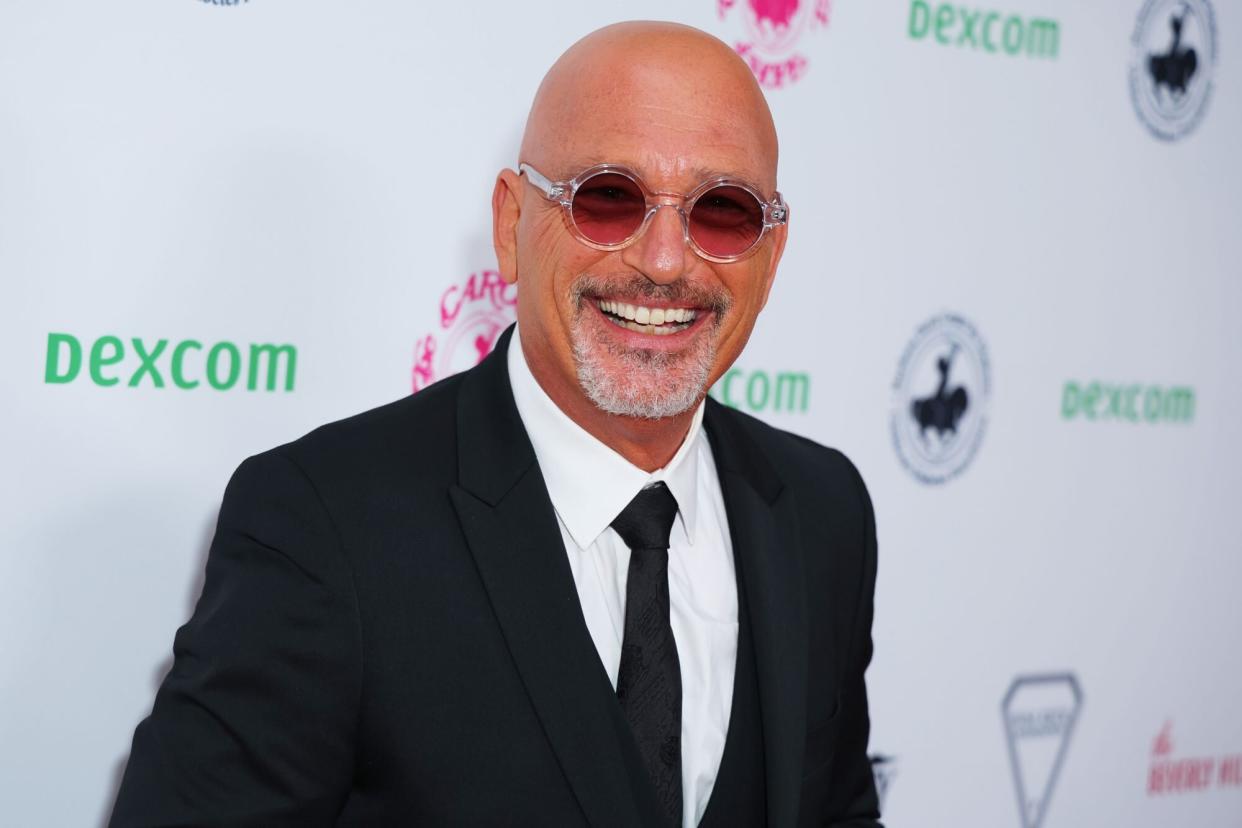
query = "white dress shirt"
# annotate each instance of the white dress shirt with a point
(590, 484)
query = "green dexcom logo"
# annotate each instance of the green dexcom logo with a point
(1131, 403)
(787, 391)
(189, 363)
(990, 31)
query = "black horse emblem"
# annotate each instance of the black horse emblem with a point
(1174, 69)
(943, 410)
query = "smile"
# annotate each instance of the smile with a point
(642, 319)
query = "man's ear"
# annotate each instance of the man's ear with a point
(506, 210)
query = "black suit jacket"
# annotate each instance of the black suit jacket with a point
(389, 634)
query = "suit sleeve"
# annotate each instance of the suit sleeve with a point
(254, 723)
(852, 801)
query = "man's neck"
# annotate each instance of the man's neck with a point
(646, 443)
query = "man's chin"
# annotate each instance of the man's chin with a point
(630, 373)
(648, 384)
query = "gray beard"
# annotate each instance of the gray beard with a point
(636, 382)
(642, 388)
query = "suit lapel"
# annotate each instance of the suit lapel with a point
(510, 526)
(762, 524)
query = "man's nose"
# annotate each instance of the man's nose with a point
(661, 253)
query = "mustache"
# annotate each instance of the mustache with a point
(633, 288)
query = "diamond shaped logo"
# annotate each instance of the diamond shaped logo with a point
(1039, 713)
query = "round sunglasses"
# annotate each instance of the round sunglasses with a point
(609, 207)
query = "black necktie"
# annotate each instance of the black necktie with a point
(649, 681)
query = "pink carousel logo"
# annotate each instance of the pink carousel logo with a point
(773, 30)
(472, 315)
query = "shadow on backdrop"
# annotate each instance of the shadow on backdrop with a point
(193, 591)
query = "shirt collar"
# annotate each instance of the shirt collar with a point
(588, 482)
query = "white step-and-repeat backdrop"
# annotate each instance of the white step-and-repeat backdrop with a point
(1012, 295)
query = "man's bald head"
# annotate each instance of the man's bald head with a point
(668, 99)
(678, 108)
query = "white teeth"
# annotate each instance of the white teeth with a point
(657, 330)
(648, 320)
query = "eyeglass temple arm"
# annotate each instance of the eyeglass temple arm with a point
(551, 189)
(778, 211)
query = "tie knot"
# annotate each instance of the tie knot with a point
(646, 522)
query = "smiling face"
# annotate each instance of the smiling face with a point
(642, 331)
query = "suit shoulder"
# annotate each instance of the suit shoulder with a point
(799, 459)
(414, 432)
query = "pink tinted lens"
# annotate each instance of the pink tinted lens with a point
(608, 208)
(726, 221)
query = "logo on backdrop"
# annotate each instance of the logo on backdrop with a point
(1172, 60)
(989, 31)
(1131, 402)
(472, 314)
(787, 392)
(940, 399)
(884, 769)
(773, 30)
(189, 364)
(1170, 774)
(1039, 713)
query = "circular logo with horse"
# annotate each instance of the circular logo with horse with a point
(940, 399)
(1172, 60)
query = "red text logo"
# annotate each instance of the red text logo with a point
(472, 315)
(1171, 774)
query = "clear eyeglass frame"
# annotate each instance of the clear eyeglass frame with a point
(775, 212)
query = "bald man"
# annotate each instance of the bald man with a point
(594, 597)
